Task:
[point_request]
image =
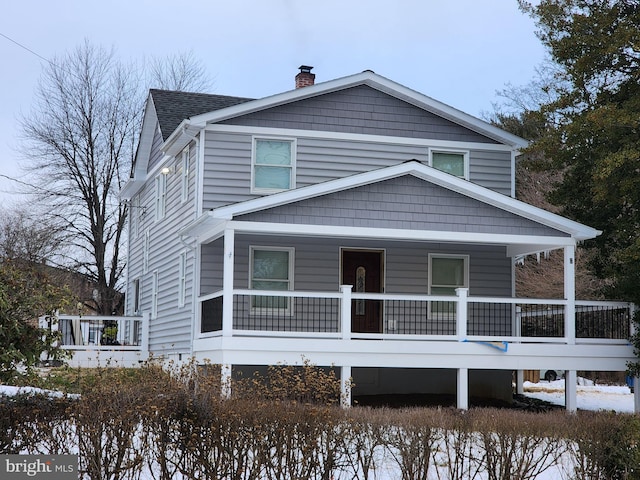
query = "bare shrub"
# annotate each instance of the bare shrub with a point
(520, 445)
(34, 424)
(305, 384)
(457, 456)
(412, 437)
(364, 433)
(604, 445)
(107, 421)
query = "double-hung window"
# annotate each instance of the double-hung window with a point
(182, 278)
(271, 268)
(273, 165)
(185, 174)
(446, 274)
(450, 161)
(161, 196)
(154, 294)
(136, 296)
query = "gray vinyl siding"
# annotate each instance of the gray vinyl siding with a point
(170, 331)
(227, 170)
(317, 268)
(402, 203)
(362, 110)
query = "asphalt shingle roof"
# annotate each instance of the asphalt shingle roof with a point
(172, 106)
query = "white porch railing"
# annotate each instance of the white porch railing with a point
(416, 317)
(102, 340)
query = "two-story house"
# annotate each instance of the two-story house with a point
(354, 223)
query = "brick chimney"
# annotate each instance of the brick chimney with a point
(305, 78)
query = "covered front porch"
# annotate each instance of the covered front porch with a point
(466, 333)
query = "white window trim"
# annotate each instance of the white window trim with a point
(465, 258)
(145, 251)
(154, 294)
(161, 196)
(294, 148)
(182, 278)
(291, 251)
(186, 163)
(464, 153)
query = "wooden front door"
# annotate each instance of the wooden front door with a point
(363, 270)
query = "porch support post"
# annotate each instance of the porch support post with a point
(519, 382)
(463, 389)
(636, 395)
(461, 313)
(225, 381)
(227, 283)
(570, 294)
(345, 311)
(345, 385)
(144, 341)
(570, 391)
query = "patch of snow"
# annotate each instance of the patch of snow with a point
(10, 391)
(616, 398)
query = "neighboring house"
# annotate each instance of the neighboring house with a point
(354, 223)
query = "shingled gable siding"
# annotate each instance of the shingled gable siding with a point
(403, 203)
(227, 168)
(360, 109)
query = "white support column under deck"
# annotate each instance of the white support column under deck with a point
(571, 391)
(227, 283)
(345, 385)
(225, 380)
(462, 400)
(570, 294)
(519, 382)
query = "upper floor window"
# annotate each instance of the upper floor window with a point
(273, 165)
(449, 161)
(161, 196)
(185, 174)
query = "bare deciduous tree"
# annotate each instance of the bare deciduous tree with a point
(181, 71)
(79, 142)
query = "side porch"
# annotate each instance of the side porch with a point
(100, 341)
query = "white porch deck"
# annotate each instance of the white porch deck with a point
(103, 340)
(492, 333)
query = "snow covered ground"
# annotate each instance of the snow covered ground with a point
(590, 397)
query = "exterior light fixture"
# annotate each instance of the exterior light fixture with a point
(165, 170)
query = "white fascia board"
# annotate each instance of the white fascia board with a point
(374, 81)
(204, 229)
(180, 138)
(424, 172)
(265, 228)
(143, 152)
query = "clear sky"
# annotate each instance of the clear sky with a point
(460, 52)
